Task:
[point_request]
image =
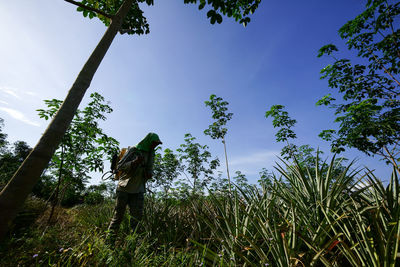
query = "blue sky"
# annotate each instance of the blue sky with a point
(159, 82)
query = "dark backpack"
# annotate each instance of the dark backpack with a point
(116, 158)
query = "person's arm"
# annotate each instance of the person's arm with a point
(126, 165)
(149, 166)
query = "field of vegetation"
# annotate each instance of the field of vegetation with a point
(316, 217)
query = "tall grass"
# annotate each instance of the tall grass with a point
(318, 217)
(315, 218)
(370, 225)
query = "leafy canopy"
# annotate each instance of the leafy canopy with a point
(303, 155)
(281, 120)
(11, 158)
(219, 108)
(369, 113)
(84, 146)
(85, 143)
(167, 167)
(198, 163)
(136, 23)
(3, 136)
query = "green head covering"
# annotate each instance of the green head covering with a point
(145, 144)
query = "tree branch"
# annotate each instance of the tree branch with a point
(377, 60)
(391, 27)
(89, 8)
(392, 159)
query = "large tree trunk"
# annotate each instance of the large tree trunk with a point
(14, 194)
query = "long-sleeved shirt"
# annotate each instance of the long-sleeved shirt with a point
(134, 176)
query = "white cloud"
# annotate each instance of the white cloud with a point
(3, 102)
(10, 91)
(14, 92)
(31, 93)
(257, 157)
(19, 116)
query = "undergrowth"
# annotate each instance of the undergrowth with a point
(309, 218)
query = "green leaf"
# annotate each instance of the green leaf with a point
(327, 49)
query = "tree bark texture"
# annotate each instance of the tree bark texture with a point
(21, 184)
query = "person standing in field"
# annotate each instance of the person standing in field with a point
(135, 167)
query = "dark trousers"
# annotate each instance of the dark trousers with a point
(135, 202)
